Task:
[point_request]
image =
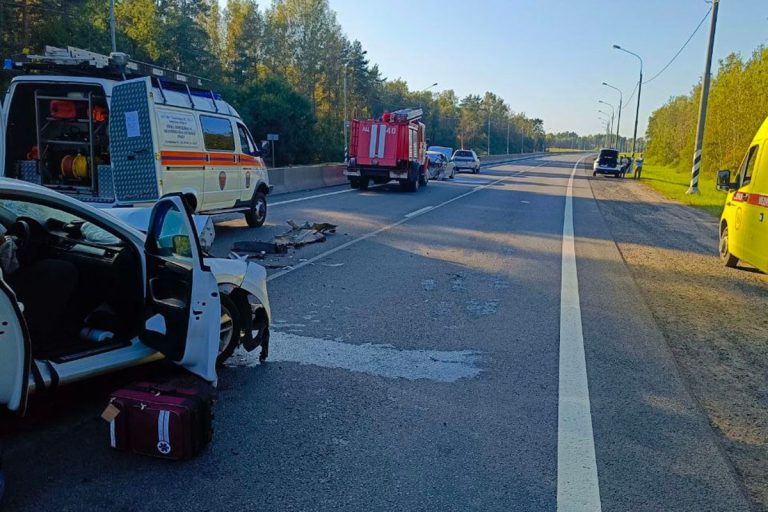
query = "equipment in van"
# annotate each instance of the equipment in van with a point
(62, 109)
(74, 166)
(120, 132)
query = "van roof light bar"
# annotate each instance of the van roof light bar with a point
(116, 65)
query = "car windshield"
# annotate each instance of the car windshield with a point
(44, 214)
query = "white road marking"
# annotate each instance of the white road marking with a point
(366, 236)
(417, 212)
(381, 360)
(578, 488)
(289, 201)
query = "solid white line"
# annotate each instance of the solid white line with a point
(578, 488)
(417, 212)
(366, 236)
(289, 201)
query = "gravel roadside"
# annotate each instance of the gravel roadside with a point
(713, 318)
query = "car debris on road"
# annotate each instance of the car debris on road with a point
(297, 236)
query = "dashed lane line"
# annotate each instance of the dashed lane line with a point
(366, 236)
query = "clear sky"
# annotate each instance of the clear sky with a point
(548, 58)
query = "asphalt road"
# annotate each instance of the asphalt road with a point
(416, 365)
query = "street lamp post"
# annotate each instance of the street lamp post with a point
(112, 24)
(610, 123)
(507, 134)
(618, 120)
(639, 90)
(428, 88)
(613, 113)
(346, 119)
(607, 129)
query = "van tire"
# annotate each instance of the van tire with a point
(257, 212)
(728, 259)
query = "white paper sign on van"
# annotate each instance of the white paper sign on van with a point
(177, 129)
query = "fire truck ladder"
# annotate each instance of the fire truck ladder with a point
(407, 114)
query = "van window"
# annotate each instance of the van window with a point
(748, 166)
(246, 143)
(217, 133)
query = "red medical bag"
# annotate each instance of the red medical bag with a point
(160, 420)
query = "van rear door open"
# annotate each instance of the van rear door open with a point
(133, 142)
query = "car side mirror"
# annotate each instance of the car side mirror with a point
(182, 246)
(724, 181)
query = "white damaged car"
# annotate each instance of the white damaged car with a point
(84, 294)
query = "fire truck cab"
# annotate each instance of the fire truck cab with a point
(112, 131)
(390, 148)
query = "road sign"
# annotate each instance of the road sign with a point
(273, 136)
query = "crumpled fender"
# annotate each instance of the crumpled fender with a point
(251, 277)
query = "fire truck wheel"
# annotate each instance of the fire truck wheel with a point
(423, 178)
(364, 182)
(257, 213)
(354, 183)
(413, 186)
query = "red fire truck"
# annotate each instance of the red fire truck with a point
(390, 148)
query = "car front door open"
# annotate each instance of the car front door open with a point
(183, 306)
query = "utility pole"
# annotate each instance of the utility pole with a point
(694, 188)
(112, 24)
(346, 118)
(507, 134)
(489, 131)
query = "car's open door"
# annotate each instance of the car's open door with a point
(15, 352)
(183, 307)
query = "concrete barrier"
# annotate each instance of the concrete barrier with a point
(306, 177)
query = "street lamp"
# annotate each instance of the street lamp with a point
(607, 128)
(639, 90)
(428, 88)
(618, 120)
(610, 120)
(613, 112)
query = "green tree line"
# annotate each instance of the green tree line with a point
(283, 66)
(738, 105)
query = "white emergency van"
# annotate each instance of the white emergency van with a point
(118, 132)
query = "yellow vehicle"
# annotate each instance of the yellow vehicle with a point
(743, 225)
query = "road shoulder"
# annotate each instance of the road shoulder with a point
(713, 318)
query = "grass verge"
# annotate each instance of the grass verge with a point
(673, 184)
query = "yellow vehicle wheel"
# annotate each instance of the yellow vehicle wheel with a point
(728, 259)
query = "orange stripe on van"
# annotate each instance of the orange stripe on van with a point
(199, 159)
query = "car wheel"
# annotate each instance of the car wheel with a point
(257, 213)
(229, 330)
(728, 259)
(594, 173)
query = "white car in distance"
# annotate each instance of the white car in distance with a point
(466, 159)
